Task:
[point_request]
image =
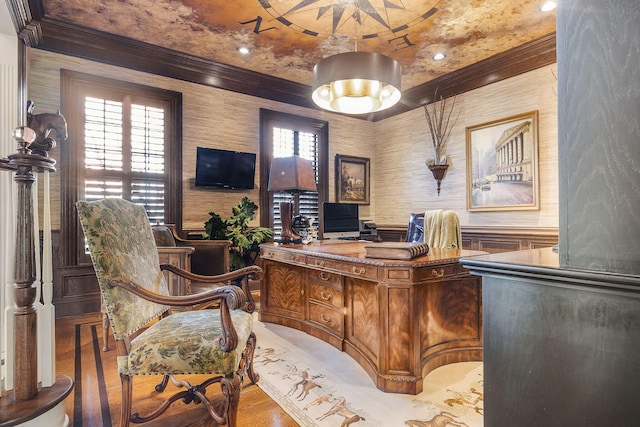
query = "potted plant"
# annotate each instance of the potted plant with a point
(440, 125)
(245, 241)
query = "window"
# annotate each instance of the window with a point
(125, 143)
(284, 135)
(124, 161)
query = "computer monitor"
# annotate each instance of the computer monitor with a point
(340, 221)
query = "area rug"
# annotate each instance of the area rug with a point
(319, 385)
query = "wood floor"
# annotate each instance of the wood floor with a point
(95, 399)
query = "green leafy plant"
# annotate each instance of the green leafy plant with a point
(245, 241)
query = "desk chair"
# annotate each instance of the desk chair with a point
(415, 230)
(438, 228)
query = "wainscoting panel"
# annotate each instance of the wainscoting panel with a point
(75, 291)
(488, 239)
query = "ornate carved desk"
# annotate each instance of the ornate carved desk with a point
(398, 319)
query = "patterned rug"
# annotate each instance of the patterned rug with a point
(319, 385)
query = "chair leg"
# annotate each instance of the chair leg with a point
(125, 411)
(105, 332)
(231, 390)
(162, 384)
(247, 355)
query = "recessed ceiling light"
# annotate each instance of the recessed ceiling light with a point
(439, 56)
(548, 6)
(244, 50)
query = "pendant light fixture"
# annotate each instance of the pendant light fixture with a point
(356, 82)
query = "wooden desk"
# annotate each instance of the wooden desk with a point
(398, 319)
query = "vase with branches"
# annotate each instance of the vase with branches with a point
(440, 121)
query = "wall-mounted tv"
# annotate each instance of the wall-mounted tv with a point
(217, 168)
(340, 221)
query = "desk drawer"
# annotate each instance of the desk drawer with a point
(351, 269)
(325, 294)
(326, 317)
(438, 271)
(326, 278)
(435, 272)
(284, 256)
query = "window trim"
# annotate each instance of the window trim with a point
(270, 119)
(73, 83)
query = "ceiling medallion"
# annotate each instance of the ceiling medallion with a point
(372, 18)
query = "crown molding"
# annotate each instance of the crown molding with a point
(25, 16)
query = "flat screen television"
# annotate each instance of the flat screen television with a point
(217, 168)
(340, 221)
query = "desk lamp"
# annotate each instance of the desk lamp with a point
(293, 175)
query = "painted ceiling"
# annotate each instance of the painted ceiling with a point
(287, 38)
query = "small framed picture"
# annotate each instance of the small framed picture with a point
(352, 180)
(502, 164)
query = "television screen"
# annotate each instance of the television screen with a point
(225, 169)
(340, 220)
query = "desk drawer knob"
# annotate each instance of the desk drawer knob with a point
(324, 318)
(437, 273)
(319, 263)
(325, 296)
(324, 276)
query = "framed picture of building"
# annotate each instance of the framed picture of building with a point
(352, 179)
(502, 164)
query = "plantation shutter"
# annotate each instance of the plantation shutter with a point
(125, 153)
(286, 143)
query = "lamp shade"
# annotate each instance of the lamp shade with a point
(292, 174)
(356, 82)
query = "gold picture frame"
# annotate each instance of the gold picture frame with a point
(352, 179)
(502, 164)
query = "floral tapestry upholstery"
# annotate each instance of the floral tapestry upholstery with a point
(121, 244)
(186, 343)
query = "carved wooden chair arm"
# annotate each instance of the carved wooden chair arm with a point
(233, 296)
(253, 272)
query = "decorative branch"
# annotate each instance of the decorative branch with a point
(440, 124)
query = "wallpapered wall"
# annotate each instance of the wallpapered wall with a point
(397, 147)
(403, 184)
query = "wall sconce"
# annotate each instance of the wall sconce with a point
(438, 172)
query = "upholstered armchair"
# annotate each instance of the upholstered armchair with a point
(168, 253)
(208, 257)
(218, 342)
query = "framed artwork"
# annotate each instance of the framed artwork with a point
(502, 164)
(352, 179)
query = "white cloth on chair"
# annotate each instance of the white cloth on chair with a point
(442, 229)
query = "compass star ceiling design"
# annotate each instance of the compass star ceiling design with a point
(288, 37)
